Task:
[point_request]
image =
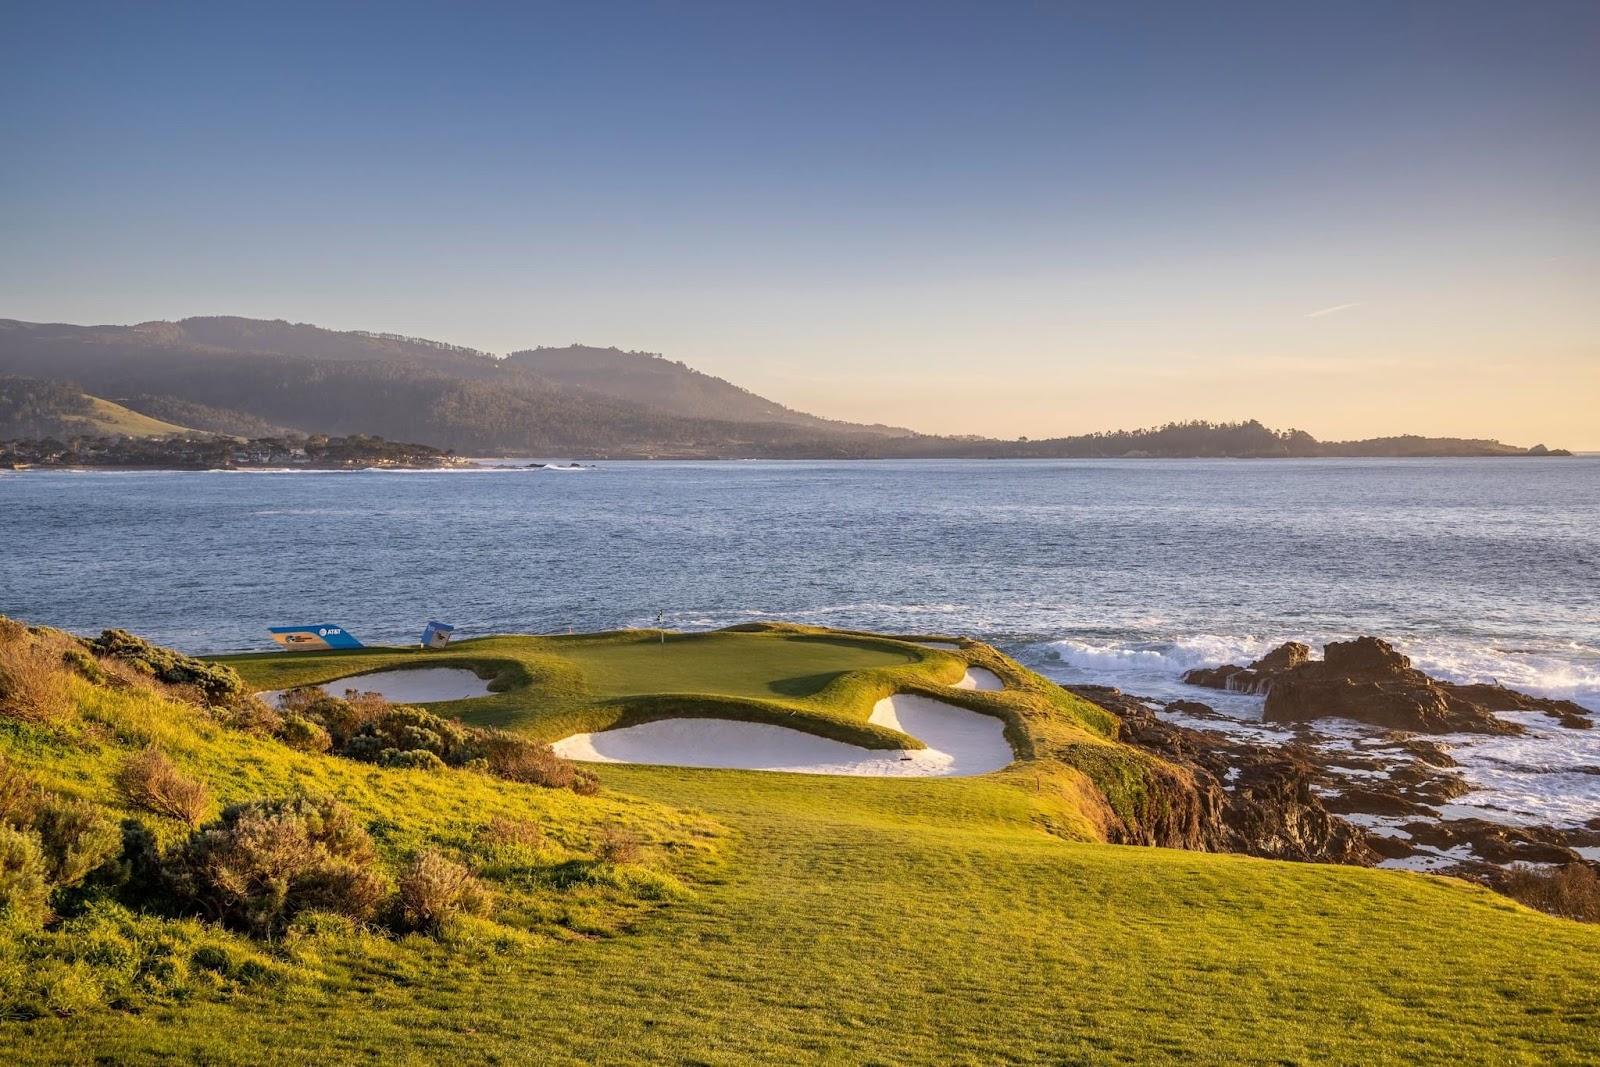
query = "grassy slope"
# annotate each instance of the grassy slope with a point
(111, 419)
(892, 921)
(546, 895)
(858, 920)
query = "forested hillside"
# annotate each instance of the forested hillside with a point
(671, 386)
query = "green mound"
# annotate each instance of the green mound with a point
(549, 687)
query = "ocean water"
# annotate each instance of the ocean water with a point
(1119, 572)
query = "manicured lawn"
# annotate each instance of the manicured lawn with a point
(553, 686)
(761, 666)
(898, 921)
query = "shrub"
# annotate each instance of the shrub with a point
(299, 732)
(251, 715)
(217, 684)
(408, 729)
(342, 719)
(263, 862)
(417, 759)
(78, 838)
(617, 846)
(1572, 891)
(150, 781)
(523, 833)
(20, 796)
(86, 665)
(434, 887)
(24, 889)
(33, 680)
(518, 759)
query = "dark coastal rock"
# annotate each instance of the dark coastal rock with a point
(1285, 657)
(1499, 698)
(1430, 752)
(1367, 680)
(1266, 808)
(1364, 655)
(1496, 843)
(1195, 709)
(1391, 848)
(1229, 676)
(1360, 800)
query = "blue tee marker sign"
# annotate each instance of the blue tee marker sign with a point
(436, 634)
(307, 638)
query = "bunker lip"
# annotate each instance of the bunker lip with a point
(416, 685)
(960, 742)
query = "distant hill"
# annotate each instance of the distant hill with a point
(652, 380)
(255, 378)
(33, 408)
(313, 380)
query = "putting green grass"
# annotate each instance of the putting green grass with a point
(900, 921)
(550, 687)
(807, 678)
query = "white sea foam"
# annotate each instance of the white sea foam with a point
(1545, 775)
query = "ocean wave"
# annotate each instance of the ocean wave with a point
(1173, 656)
(1570, 673)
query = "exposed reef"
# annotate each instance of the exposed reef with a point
(1367, 680)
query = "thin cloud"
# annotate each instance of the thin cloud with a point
(1330, 311)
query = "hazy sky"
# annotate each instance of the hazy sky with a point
(1000, 218)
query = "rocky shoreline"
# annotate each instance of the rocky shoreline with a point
(1380, 796)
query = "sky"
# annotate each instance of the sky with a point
(1006, 218)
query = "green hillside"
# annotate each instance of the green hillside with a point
(769, 917)
(31, 408)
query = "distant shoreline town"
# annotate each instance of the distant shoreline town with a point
(220, 453)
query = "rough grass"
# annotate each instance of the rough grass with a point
(930, 921)
(96, 760)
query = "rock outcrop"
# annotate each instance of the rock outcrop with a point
(1235, 796)
(1367, 680)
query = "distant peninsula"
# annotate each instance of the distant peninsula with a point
(255, 379)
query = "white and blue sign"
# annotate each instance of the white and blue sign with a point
(306, 638)
(436, 634)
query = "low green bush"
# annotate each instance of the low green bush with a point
(24, 888)
(78, 837)
(264, 861)
(432, 889)
(304, 735)
(218, 684)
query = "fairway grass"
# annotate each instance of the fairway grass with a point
(893, 921)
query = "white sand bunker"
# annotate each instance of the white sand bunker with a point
(422, 685)
(980, 678)
(960, 742)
